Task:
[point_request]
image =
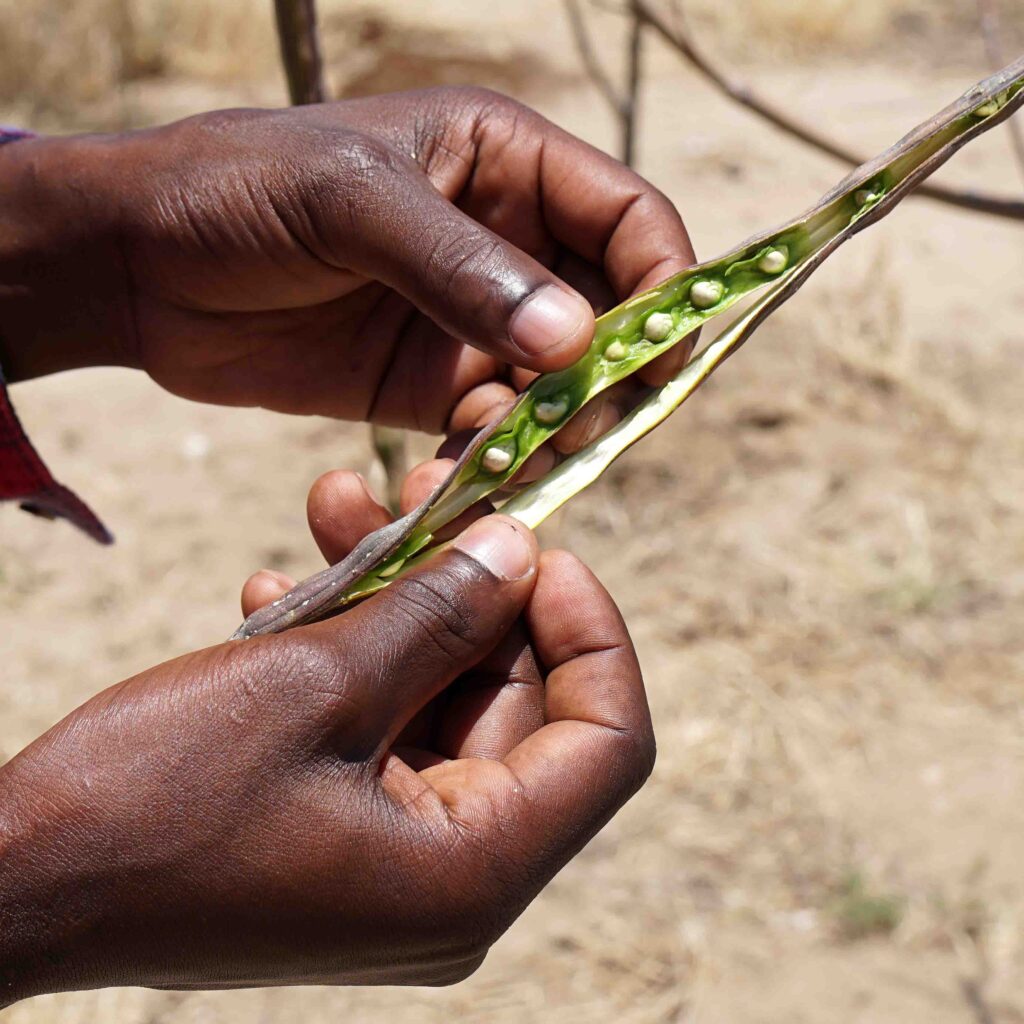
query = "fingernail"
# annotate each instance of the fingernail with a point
(367, 489)
(547, 320)
(278, 578)
(499, 547)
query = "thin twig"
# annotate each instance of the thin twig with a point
(681, 40)
(623, 103)
(634, 74)
(303, 67)
(300, 50)
(595, 71)
(974, 996)
(991, 31)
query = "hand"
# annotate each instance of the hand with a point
(372, 799)
(389, 259)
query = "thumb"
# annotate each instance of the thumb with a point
(417, 636)
(474, 284)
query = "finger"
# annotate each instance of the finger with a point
(263, 587)
(533, 181)
(471, 282)
(539, 464)
(564, 781)
(587, 278)
(594, 419)
(598, 744)
(521, 379)
(590, 282)
(494, 706)
(342, 510)
(419, 484)
(598, 416)
(611, 216)
(661, 370)
(414, 638)
(421, 480)
(427, 374)
(481, 406)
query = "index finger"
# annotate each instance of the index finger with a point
(610, 215)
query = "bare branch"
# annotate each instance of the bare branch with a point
(682, 41)
(623, 104)
(634, 74)
(300, 50)
(974, 996)
(991, 30)
(595, 72)
(303, 67)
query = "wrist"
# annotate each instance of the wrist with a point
(64, 300)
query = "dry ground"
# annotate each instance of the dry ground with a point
(821, 557)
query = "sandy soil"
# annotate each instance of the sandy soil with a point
(821, 559)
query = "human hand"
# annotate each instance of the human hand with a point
(371, 799)
(408, 259)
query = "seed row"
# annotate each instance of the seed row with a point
(704, 293)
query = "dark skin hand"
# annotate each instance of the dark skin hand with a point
(375, 798)
(410, 259)
(369, 800)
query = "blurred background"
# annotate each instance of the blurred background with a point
(821, 557)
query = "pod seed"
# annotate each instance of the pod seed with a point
(705, 294)
(773, 261)
(390, 570)
(863, 196)
(993, 106)
(551, 411)
(615, 351)
(658, 326)
(496, 459)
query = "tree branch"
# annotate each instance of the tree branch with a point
(303, 67)
(680, 40)
(634, 74)
(624, 104)
(300, 50)
(595, 72)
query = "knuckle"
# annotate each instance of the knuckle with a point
(472, 267)
(437, 607)
(344, 175)
(362, 155)
(638, 754)
(475, 98)
(299, 672)
(218, 122)
(481, 111)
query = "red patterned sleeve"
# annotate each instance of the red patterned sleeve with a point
(23, 474)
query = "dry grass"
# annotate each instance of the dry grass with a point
(786, 29)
